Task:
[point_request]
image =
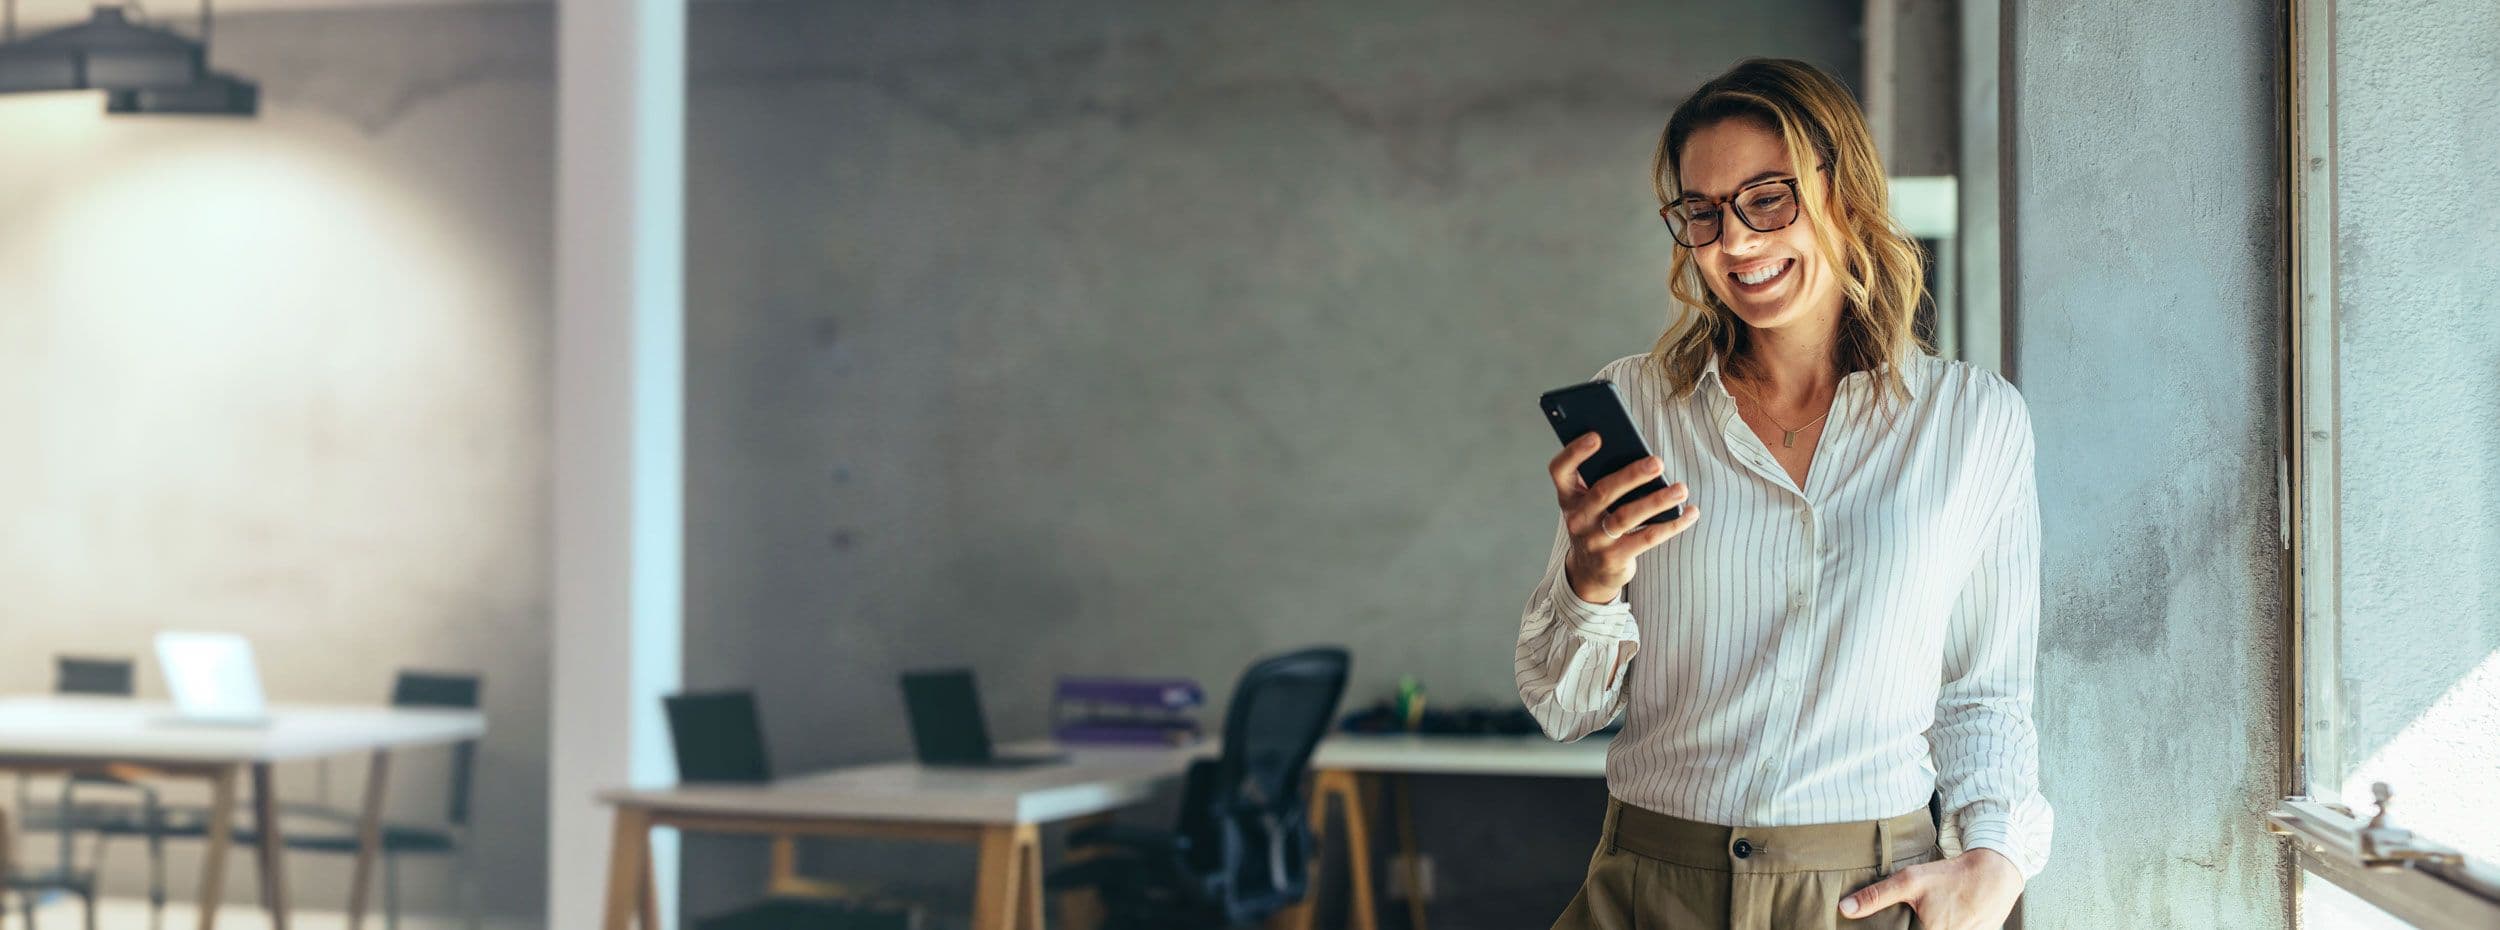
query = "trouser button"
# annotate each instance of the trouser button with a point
(1743, 849)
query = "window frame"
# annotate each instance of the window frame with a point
(2423, 883)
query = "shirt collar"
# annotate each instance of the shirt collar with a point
(1909, 379)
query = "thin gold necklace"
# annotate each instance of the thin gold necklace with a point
(1788, 437)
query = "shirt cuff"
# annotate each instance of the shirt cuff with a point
(1988, 825)
(1609, 621)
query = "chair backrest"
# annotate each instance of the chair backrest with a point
(947, 726)
(103, 677)
(718, 737)
(1243, 812)
(434, 689)
(83, 676)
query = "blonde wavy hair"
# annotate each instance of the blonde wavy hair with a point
(1882, 269)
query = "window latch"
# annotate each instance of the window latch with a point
(2383, 845)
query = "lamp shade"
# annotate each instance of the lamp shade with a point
(107, 52)
(211, 95)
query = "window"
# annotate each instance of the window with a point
(2392, 470)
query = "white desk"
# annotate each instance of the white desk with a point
(1462, 755)
(143, 739)
(999, 811)
(1344, 764)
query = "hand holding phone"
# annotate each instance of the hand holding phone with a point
(1615, 500)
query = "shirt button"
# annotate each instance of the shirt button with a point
(1743, 849)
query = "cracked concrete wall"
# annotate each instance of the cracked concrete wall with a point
(1124, 337)
(289, 377)
(2145, 319)
(2418, 304)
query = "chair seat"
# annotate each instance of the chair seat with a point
(808, 915)
(116, 818)
(396, 838)
(76, 881)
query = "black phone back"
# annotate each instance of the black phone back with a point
(1595, 407)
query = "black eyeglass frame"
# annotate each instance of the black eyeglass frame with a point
(1667, 213)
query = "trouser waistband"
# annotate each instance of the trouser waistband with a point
(1865, 844)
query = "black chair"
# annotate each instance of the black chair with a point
(138, 813)
(337, 834)
(718, 738)
(1242, 849)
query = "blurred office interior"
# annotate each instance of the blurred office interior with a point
(494, 370)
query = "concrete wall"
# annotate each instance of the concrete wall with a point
(1149, 338)
(2418, 294)
(288, 377)
(2144, 247)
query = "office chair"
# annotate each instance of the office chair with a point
(718, 738)
(1241, 851)
(450, 838)
(70, 816)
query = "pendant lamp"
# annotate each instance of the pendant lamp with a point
(142, 68)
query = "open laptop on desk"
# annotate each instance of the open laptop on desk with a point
(719, 738)
(212, 678)
(947, 728)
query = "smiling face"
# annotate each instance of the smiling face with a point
(1773, 280)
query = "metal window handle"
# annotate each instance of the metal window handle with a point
(2383, 845)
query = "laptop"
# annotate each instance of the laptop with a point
(212, 678)
(719, 738)
(947, 728)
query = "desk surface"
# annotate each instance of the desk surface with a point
(121, 729)
(1402, 753)
(1093, 780)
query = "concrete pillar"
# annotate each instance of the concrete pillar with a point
(619, 425)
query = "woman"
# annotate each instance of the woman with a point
(1842, 621)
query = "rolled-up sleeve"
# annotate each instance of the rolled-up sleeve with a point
(1573, 656)
(1985, 745)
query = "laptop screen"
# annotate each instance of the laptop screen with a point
(211, 676)
(718, 737)
(946, 723)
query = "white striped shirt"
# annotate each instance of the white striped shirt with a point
(1823, 655)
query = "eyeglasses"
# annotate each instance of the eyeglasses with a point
(1762, 207)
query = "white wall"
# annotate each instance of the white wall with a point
(288, 377)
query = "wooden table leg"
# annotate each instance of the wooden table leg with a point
(220, 836)
(629, 869)
(785, 864)
(368, 839)
(1345, 787)
(1413, 856)
(1007, 892)
(272, 845)
(1358, 851)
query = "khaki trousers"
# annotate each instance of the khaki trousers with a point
(1655, 872)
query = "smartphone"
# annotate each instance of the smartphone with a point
(1596, 407)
